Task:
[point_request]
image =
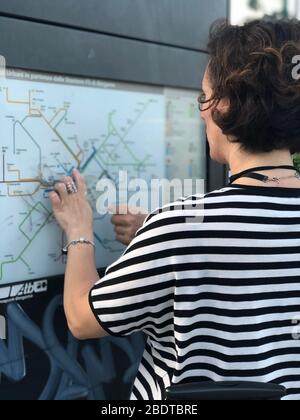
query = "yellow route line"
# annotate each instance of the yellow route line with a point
(14, 170)
(10, 101)
(21, 194)
(21, 180)
(45, 119)
(58, 135)
(60, 138)
(56, 114)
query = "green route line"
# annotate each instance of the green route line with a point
(113, 131)
(23, 233)
(137, 164)
(32, 204)
(83, 168)
(122, 138)
(98, 163)
(30, 136)
(29, 215)
(25, 263)
(20, 257)
(61, 120)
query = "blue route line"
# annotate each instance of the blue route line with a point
(98, 163)
(83, 168)
(61, 120)
(67, 172)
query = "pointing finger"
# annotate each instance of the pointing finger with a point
(119, 220)
(80, 181)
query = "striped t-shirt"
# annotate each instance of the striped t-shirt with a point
(214, 282)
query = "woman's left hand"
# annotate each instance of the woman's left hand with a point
(73, 211)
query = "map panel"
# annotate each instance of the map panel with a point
(51, 124)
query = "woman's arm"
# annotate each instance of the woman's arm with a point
(81, 275)
(75, 216)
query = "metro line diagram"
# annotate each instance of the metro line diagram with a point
(47, 131)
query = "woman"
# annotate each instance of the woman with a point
(218, 300)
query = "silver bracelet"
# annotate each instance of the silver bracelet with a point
(77, 242)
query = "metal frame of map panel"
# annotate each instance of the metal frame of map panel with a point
(171, 22)
(35, 46)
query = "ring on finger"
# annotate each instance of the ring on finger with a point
(71, 187)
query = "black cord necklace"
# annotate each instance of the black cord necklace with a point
(250, 173)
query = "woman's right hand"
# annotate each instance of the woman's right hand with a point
(127, 221)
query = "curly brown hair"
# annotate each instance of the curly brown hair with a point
(252, 67)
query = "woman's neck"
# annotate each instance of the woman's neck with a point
(240, 161)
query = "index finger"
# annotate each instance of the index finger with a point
(119, 209)
(79, 180)
(119, 220)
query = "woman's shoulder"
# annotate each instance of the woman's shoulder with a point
(189, 206)
(228, 197)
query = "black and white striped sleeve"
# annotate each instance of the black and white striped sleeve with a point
(137, 292)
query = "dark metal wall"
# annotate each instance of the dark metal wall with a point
(46, 47)
(160, 42)
(149, 41)
(180, 23)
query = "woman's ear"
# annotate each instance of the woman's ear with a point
(223, 105)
